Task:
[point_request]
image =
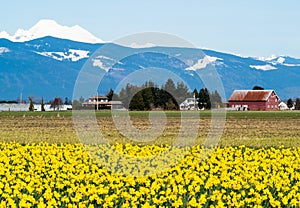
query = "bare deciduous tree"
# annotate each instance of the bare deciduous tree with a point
(56, 103)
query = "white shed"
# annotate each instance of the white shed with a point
(283, 106)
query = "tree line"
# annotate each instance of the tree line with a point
(167, 97)
(150, 96)
(208, 100)
(55, 104)
(290, 103)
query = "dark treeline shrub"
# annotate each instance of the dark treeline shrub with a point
(149, 96)
(207, 100)
(167, 97)
(297, 106)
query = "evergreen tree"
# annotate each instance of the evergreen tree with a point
(182, 92)
(148, 98)
(257, 88)
(110, 94)
(130, 90)
(170, 105)
(297, 106)
(290, 103)
(201, 99)
(170, 87)
(207, 99)
(67, 101)
(137, 102)
(31, 106)
(123, 97)
(157, 97)
(195, 93)
(149, 84)
(204, 99)
(42, 105)
(216, 99)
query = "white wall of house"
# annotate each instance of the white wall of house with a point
(189, 104)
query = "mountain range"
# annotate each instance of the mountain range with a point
(46, 60)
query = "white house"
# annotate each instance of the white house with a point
(283, 106)
(189, 104)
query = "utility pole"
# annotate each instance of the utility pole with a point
(97, 100)
(21, 101)
(194, 101)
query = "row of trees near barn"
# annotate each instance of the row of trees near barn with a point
(150, 96)
(290, 103)
(167, 97)
(207, 100)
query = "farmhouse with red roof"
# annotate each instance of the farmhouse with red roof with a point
(254, 100)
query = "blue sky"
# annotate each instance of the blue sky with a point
(250, 28)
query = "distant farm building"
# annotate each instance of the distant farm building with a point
(189, 104)
(283, 106)
(97, 102)
(101, 103)
(253, 100)
(37, 107)
(117, 105)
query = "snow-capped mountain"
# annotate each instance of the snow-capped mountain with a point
(51, 28)
(49, 67)
(281, 60)
(286, 61)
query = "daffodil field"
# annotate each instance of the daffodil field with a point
(51, 175)
(255, 164)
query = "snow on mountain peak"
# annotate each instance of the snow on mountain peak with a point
(272, 57)
(47, 27)
(202, 63)
(4, 50)
(4, 34)
(266, 67)
(71, 55)
(280, 60)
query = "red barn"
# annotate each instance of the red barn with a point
(254, 100)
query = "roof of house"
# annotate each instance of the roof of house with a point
(115, 102)
(99, 97)
(95, 103)
(283, 104)
(250, 95)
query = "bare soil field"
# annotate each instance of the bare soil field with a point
(256, 129)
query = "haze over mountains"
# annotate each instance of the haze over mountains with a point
(46, 60)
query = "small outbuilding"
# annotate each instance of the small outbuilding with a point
(283, 106)
(117, 105)
(254, 100)
(189, 104)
